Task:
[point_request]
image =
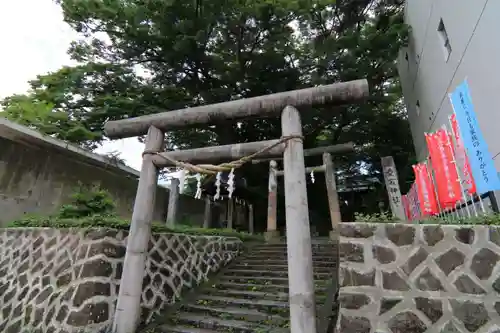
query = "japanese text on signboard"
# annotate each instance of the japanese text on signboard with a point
(392, 183)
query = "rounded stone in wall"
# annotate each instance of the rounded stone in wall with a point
(472, 314)
(432, 308)
(406, 322)
(400, 235)
(351, 252)
(483, 263)
(394, 281)
(494, 235)
(497, 307)
(354, 324)
(450, 260)
(466, 285)
(353, 301)
(415, 260)
(358, 230)
(386, 304)
(384, 255)
(353, 278)
(433, 234)
(428, 282)
(465, 235)
(496, 285)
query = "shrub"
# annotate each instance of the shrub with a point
(88, 201)
(491, 219)
(381, 217)
(113, 222)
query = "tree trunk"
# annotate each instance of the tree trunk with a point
(262, 106)
(128, 307)
(300, 268)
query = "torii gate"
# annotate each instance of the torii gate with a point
(327, 168)
(300, 275)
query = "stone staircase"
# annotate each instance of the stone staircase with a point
(250, 295)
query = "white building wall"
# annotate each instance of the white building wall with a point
(427, 76)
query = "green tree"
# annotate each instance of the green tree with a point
(40, 114)
(140, 57)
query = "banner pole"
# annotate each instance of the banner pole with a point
(481, 203)
(429, 174)
(465, 156)
(473, 204)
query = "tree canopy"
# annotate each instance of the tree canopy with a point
(140, 57)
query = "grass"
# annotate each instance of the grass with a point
(491, 219)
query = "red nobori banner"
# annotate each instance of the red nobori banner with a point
(425, 190)
(414, 203)
(461, 158)
(446, 176)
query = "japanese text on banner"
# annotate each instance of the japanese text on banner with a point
(447, 183)
(483, 170)
(426, 196)
(461, 158)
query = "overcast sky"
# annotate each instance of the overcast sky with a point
(34, 41)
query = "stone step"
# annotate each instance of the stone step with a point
(282, 267)
(223, 325)
(237, 313)
(274, 245)
(321, 249)
(181, 329)
(271, 306)
(249, 294)
(223, 285)
(269, 273)
(281, 257)
(268, 247)
(256, 294)
(268, 261)
(285, 252)
(266, 280)
(255, 280)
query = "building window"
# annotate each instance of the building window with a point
(445, 41)
(417, 108)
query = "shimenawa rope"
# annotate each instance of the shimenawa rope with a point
(214, 169)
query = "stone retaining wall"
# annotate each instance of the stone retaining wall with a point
(419, 278)
(55, 281)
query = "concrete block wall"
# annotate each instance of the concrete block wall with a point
(38, 174)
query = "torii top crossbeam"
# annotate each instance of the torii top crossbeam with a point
(267, 105)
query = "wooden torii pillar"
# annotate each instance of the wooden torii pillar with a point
(272, 233)
(301, 286)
